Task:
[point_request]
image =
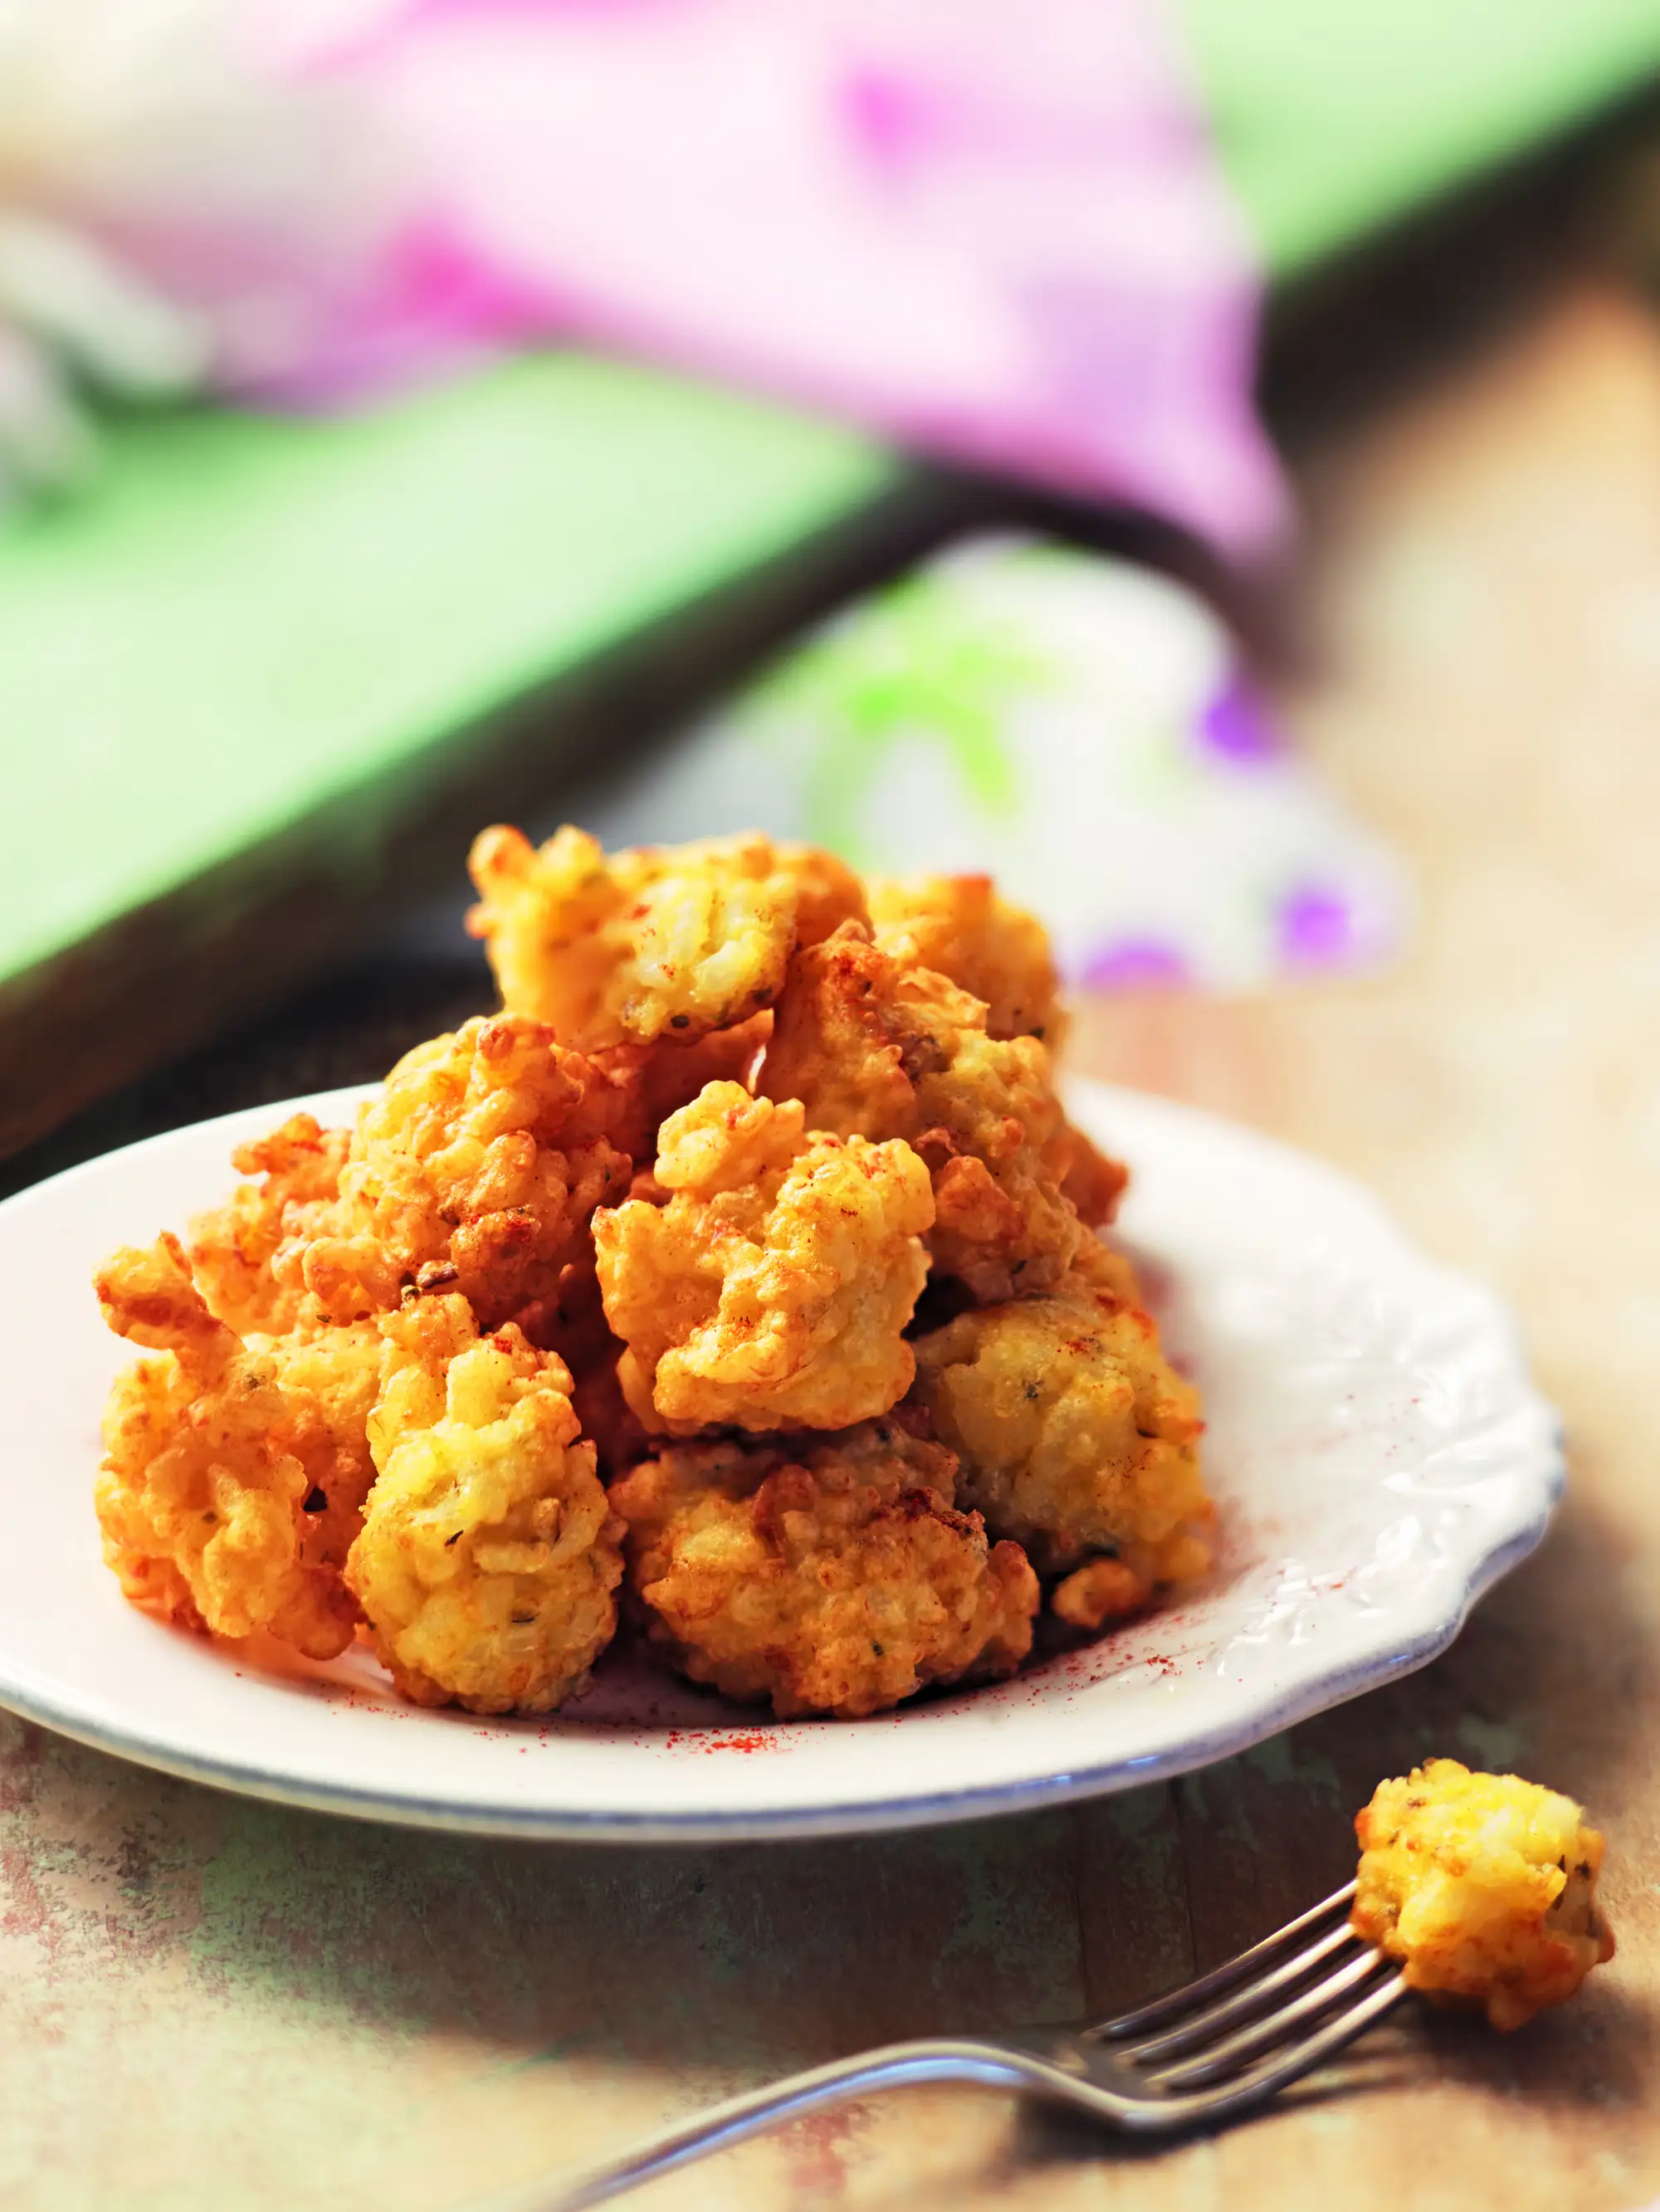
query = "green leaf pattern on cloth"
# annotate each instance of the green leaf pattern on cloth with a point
(912, 661)
(1077, 726)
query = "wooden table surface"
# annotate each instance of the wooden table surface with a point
(208, 2004)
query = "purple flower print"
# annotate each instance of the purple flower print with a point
(1316, 927)
(1136, 963)
(1234, 727)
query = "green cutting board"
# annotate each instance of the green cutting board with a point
(252, 616)
(1335, 117)
(263, 675)
(257, 688)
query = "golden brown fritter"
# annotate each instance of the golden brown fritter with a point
(874, 1047)
(619, 1436)
(1102, 1270)
(1100, 1590)
(655, 1080)
(487, 1557)
(1077, 1438)
(475, 1171)
(337, 1369)
(773, 1288)
(1093, 1182)
(998, 953)
(574, 1326)
(828, 1575)
(959, 926)
(234, 1474)
(1485, 1885)
(232, 1247)
(828, 893)
(855, 1031)
(621, 949)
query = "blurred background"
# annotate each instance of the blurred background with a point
(1199, 461)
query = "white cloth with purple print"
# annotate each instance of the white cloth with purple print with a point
(998, 235)
(1077, 726)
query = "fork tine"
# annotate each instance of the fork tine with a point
(1286, 2066)
(1224, 2058)
(1203, 2027)
(1194, 1993)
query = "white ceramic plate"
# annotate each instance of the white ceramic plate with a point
(1377, 1451)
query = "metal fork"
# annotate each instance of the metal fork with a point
(1215, 2048)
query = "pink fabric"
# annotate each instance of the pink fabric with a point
(994, 229)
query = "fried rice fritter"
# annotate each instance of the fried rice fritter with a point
(1093, 1182)
(1485, 1885)
(338, 1370)
(960, 929)
(574, 1326)
(827, 893)
(232, 1247)
(489, 1556)
(1077, 1438)
(874, 1047)
(773, 1287)
(476, 1170)
(657, 1079)
(234, 1475)
(826, 1575)
(654, 940)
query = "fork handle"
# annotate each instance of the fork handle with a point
(719, 2126)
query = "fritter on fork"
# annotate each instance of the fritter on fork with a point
(1485, 1885)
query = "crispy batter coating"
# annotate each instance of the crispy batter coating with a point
(233, 1473)
(339, 1370)
(487, 1557)
(1485, 1885)
(773, 1288)
(1102, 1270)
(877, 1048)
(475, 1171)
(622, 949)
(1093, 1182)
(574, 1326)
(827, 1575)
(1099, 1591)
(828, 893)
(657, 1079)
(959, 926)
(1077, 1438)
(232, 1247)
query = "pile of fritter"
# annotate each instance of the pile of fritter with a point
(742, 1270)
